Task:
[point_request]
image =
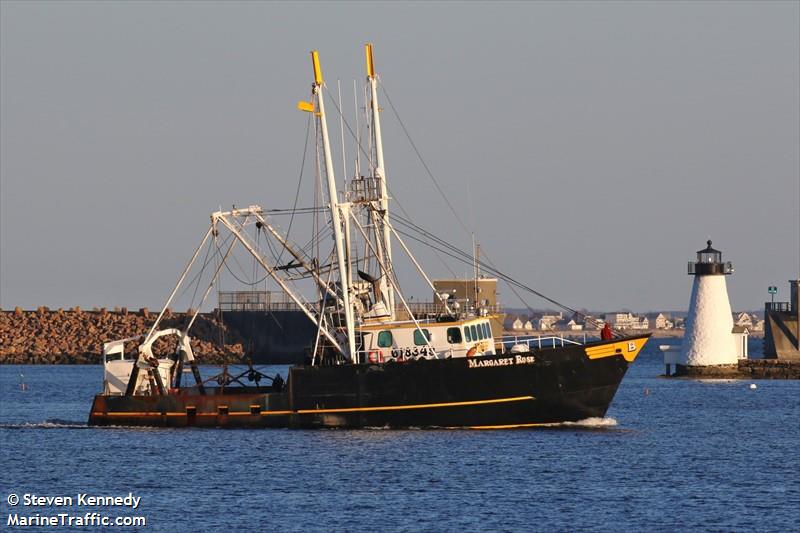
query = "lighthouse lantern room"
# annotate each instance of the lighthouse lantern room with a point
(709, 262)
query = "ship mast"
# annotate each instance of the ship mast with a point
(335, 209)
(379, 174)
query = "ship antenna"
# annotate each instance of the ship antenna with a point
(341, 128)
(358, 131)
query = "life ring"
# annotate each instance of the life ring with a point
(472, 351)
(375, 356)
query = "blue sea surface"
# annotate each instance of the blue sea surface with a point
(672, 454)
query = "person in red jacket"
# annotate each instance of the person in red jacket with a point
(605, 333)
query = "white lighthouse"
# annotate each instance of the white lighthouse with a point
(708, 339)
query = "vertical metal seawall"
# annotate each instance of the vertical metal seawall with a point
(273, 337)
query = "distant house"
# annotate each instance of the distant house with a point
(508, 322)
(627, 321)
(618, 320)
(574, 326)
(547, 322)
(590, 322)
(740, 334)
(517, 324)
(528, 326)
(758, 326)
(744, 320)
(663, 322)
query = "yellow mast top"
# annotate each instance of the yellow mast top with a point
(317, 68)
(370, 62)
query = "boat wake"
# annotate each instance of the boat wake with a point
(594, 422)
(54, 423)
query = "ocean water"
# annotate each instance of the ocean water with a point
(671, 455)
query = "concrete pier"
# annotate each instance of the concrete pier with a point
(782, 326)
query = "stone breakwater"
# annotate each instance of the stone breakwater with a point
(76, 336)
(744, 369)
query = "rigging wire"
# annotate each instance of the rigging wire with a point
(421, 235)
(221, 328)
(255, 260)
(402, 209)
(237, 278)
(454, 252)
(297, 210)
(349, 128)
(361, 149)
(308, 248)
(199, 277)
(291, 212)
(196, 276)
(297, 191)
(421, 160)
(511, 283)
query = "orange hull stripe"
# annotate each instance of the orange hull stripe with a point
(418, 406)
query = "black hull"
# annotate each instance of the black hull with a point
(511, 390)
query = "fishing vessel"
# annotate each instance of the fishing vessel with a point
(374, 362)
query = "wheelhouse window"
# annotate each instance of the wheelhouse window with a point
(385, 339)
(487, 330)
(474, 332)
(467, 334)
(454, 335)
(421, 337)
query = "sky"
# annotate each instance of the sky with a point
(592, 147)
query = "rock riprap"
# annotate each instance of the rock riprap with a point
(76, 336)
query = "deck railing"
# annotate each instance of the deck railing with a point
(710, 268)
(780, 307)
(551, 341)
(256, 301)
(437, 308)
(532, 343)
(279, 301)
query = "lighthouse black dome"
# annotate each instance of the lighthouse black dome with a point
(709, 249)
(709, 263)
